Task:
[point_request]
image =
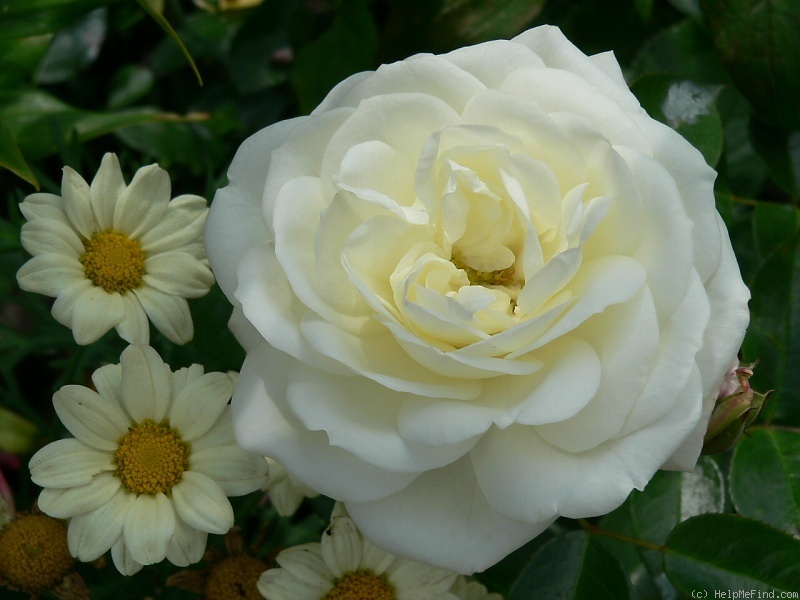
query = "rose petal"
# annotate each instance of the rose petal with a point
(443, 519)
(265, 426)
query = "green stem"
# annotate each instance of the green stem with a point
(594, 529)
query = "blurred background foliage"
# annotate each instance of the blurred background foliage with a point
(79, 78)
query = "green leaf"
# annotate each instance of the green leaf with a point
(643, 585)
(572, 566)
(688, 7)
(11, 158)
(688, 108)
(347, 48)
(757, 41)
(684, 50)
(780, 152)
(129, 85)
(148, 7)
(727, 552)
(773, 336)
(765, 478)
(644, 8)
(40, 122)
(672, 497)
(73, 48)
(442, 25)
(742, 169)
(669, 498)
(26, 18)
(20, 57)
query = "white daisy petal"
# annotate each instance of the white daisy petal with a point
(178, 274)
(64, 305)
(183, 223)
(170, 314)
(95, 312)
(123, 560)
(144, 202)
(145, 384)
(42, 205)
(277, 584)
(106, 187)
(43, 236)
(341, 546)
(418, 581)
(221, 434)
(201, 503)
(200, 403)
(149, 525)
(63, 503)
(187, 545)
(68, 463)
(182, 377)
(89, 417)
(305, 562)
(237, 472)
(107, 380)
(92, 534)
(134, 327)
(49, 274)
(77, 205)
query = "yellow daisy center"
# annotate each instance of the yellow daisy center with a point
(235, 578)
(33, 552)
(113, 261)
(151, 458)
(361, 585)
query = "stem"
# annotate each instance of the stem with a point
(594, 529)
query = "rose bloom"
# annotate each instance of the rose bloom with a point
(478, 291)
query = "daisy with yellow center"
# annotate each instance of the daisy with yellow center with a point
(151, 464)
(345, 566)
(34, 558)
(114, 255)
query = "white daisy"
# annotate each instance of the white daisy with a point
(472, 590)
(151, 464)
(345, 566)
(113, 255)
(285, 492)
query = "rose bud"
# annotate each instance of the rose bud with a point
(738, 405)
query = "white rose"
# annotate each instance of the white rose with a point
(478, 291)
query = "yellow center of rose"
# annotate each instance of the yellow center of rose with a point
(361, 585)
(235, 578)
(501, 277)
(151, 458)
(33, 552)
(113, 261)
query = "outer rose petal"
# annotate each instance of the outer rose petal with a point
(443, 519)
(234, 220)
(263, 426)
